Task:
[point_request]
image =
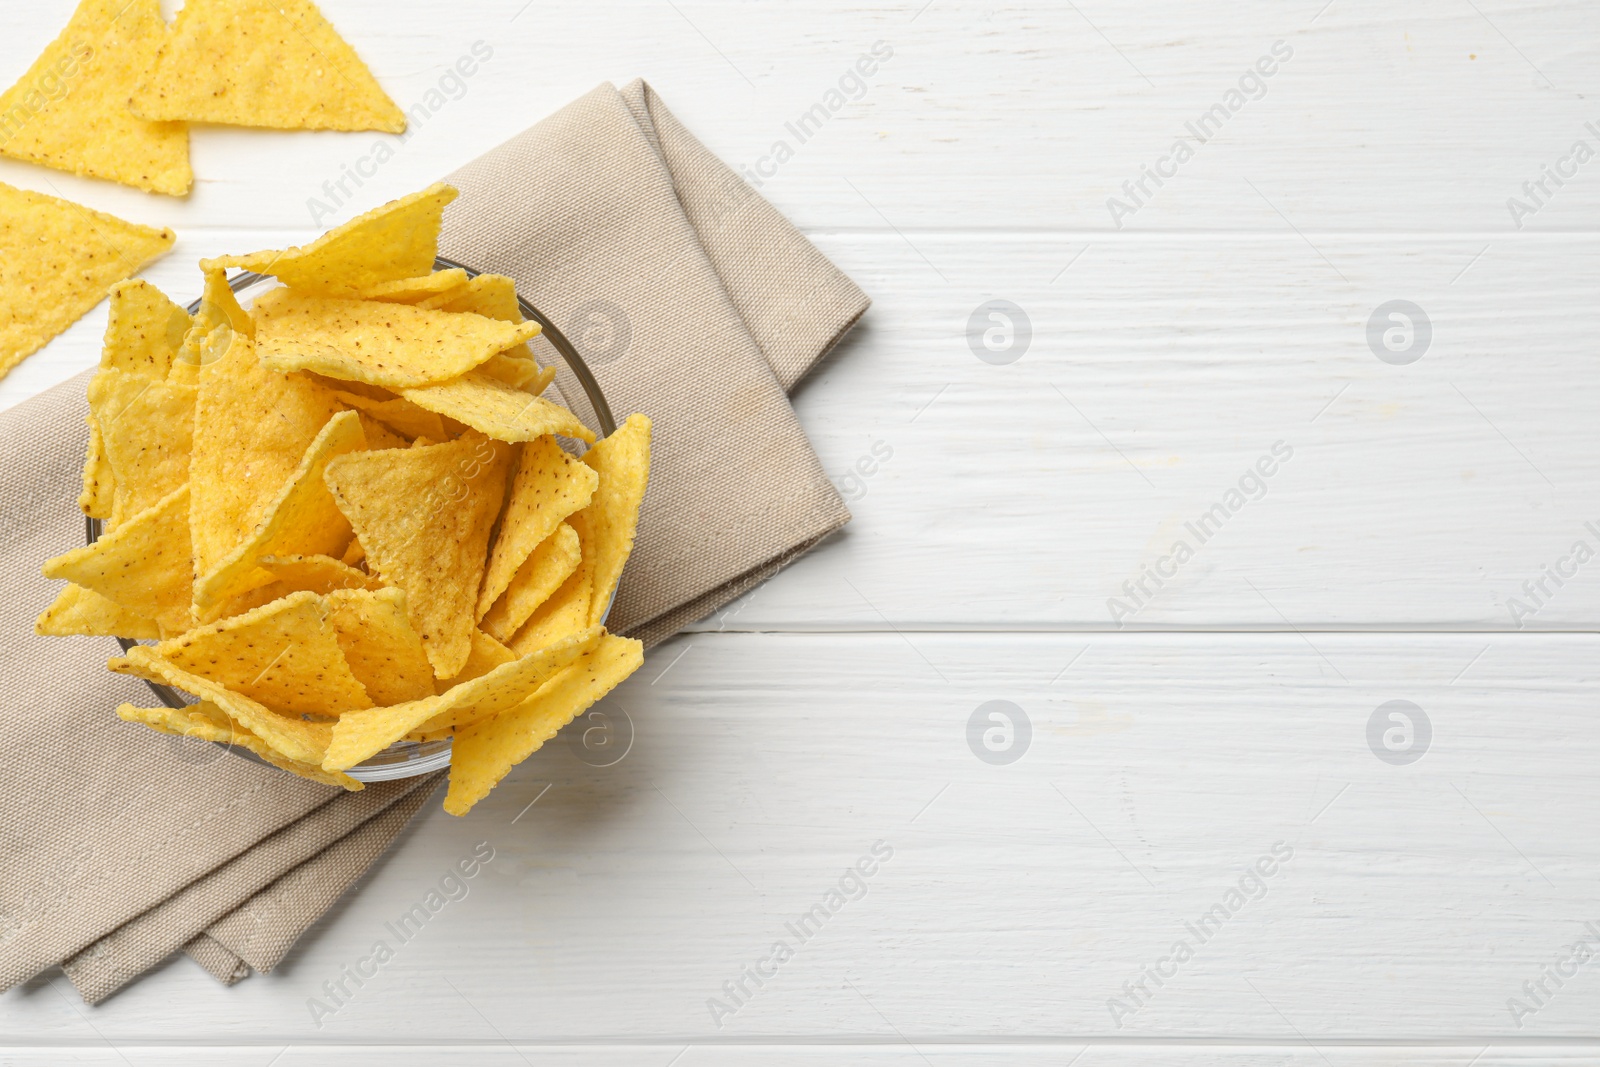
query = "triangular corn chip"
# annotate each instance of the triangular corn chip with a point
(416, 290)
(83, 611)
(486, 750)
(144, 330)
(207, 722)
(99, 484)
(271, 63)
(392, 345)
(251, 429)
(612, 517)
(56, 260)
(399, 415)
(564, 612)
(360, 734)
(295, 738)
(496, 409)
(424, 514)
(398, 240)
(219, 307)
(70, 111)
(487, 654)
(301, 520)
(316, 574)
(491, 295)
(383, 651)
(545, 570)
(550, 485)
(146, 428)
(284, 655)
(515, 371)
(142, 564)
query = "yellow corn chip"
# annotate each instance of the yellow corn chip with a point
(515, 371)
(251, 429)
(564, 612)
(399, 415)
(416, 290)
(383, 651)
(142, 564)
(56, 260)
(496, 409)
(550, 564)
(612, 517)
(207, 722)
(146, 426)
(550, 485)
(301, 520)
(354, 553)
(99, 484)
(284, 655)
(359, 734)
(70, 111)
(317, 574)
(83, 611)
(378, 435)
(204, 341)
(490, 295)
(424, 515)
(392, 345)
(487, 654)
(486, 750)
(295, 738)
(398, 240)
(144, 330)
(272, 63)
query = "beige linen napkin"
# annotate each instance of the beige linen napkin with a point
(121, 846)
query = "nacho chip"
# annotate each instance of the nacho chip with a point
(251, 429)
(144, 330)
(70, 111)
(360, 734)
(269, 63)
(301, 519)
(142, 564)
(383, 651)
(56, 260)
(317, 574)
(487, 654)
(550, 485)
(564, 612)
(207, 722)
(398, 240)
(515, 371)
(392, 345)
(545, 570)
(491, 295)
(83, 611)
(295, 738)
(612, 517)
(146, 426)
(486, 750)
(402, 416)
(424, 515)
(284, 655)
(99, 484)
(497, 409)
(416, 290)
(353, 553)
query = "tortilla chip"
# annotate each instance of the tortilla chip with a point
(545, 570)
(317, 574)
(360, 734)
(392, 345)
(487, 654)
(297, 739)
(565, 611)
(398, 240)
(402, 416)
(612, 517)
(424, 514)
(144, 330)
(56, 260)
(284, 655)
(486, 750)
(302, 518)
(515, 371)
(142, 564)
(353, 553)
(99, 484)
(268, 63)
(83, 611)
(496, 409)
(550, 485)
(146, 426)
(416, 290)
(491, 295)
(207, 722)
(383, 651)
(70, 111)
(252, 427)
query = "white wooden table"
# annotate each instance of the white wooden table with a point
(1172, 742)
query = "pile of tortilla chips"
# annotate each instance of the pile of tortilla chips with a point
(346, 515)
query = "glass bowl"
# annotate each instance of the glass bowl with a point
(406, 759)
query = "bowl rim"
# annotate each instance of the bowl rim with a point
(437, 756)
